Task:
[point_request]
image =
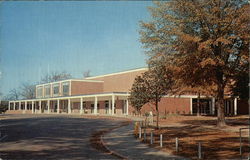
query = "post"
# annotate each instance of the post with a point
(95, 105)
(199, 150)
(14, 105)
(140, 132)
(145, 135)
(40, 106)
(81, 108)
(113, 105)
(110, 107)
(161, 140)
(9, 106)
(176, 144)
(191, 106)
(69, 106)
(32, 107)
(240, 144)
(20, 105)
(151, 137)
(58, 106)
(25, 106)
(213, 106)
(127, 107)
(48, 103)
(235, 106)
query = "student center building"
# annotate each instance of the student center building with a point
(108, 94)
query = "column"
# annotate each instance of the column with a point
(69, 106)
(113, 105)
(81, 109)
(40, 106)
(210, 106)
(32, 107)
(126, 106)
(191, 105)
(109, 106)
(58, 106)
(9, 106)
(235, 106)
(95, 106)
(48, 103)
(25, 106)
(213, 106)
(19, 105)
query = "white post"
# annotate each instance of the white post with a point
(113, 105)
(58, 106)
(19, 105)
(191, 105)
(95, 106)
(40, 106)
(127, 107)
(109, 106)
(25, 106)
(14, 105)
(235, 106)
(48, 103)
(213, 106)
(81, 109)
(69, 106)
(32, 107)
(161, 140)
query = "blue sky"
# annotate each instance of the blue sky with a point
(41, 37)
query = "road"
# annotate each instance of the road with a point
(51, 137)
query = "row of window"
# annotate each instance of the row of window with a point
(55, 91)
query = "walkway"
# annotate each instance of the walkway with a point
(123, 142)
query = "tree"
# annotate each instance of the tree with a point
(209, 40)
(138, 96)
(28, 91)
(86, 74)
(12, 95)
(55, 76)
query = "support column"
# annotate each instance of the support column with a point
(81, 108)
(48, 103)
(58, 106)
(191, 105)
(109, 106)
(14, 105)
(126, 106)
(9, 106)
(32, 107)
(19, 105)
(213, 106)
(113, 105)
(69, 106)
(235, 106)
(25, 106)
(95, 106)
(40, 106)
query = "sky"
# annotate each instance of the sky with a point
(37, 38)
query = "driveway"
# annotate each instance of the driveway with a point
(51, 137)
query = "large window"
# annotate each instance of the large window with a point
(39, 92)
(56, 89)
(47, 91)
(66, 88)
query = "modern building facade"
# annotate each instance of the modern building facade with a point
(108, 94)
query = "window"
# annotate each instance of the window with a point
(56, 89)
(66, 88)
(47, 91)
(39, 92)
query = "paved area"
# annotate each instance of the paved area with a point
(123, 142)
(51, 137)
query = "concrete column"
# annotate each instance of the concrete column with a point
(191, 105)
(14, 105)
(19, 105)
(81, 107)
(69, 106)
(235, 106)
(58, 106)
(113, 105)
(32, 107)
(25, 106)
(213, 106)
(95, 106)
(126, 106)
(109, 106)
(9, 106)
(48, 103)
(40, 106)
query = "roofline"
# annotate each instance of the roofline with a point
(70, 80)
(117, 73)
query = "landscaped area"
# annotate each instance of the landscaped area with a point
(216, 143)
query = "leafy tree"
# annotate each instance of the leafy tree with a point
(55, 76)
(208, 41)
(138, 96)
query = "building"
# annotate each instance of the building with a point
(108, 94)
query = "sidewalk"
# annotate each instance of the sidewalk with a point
(123, 142)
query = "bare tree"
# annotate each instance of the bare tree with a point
(12, 95)
(55, 76)
(86, 74)
(28, 91)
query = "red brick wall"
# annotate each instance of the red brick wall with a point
(78, 87)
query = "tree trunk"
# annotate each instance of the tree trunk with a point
(157, 114)
(198, 105)
(220, 106)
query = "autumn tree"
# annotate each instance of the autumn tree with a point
(138, 96)
(209, 40)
